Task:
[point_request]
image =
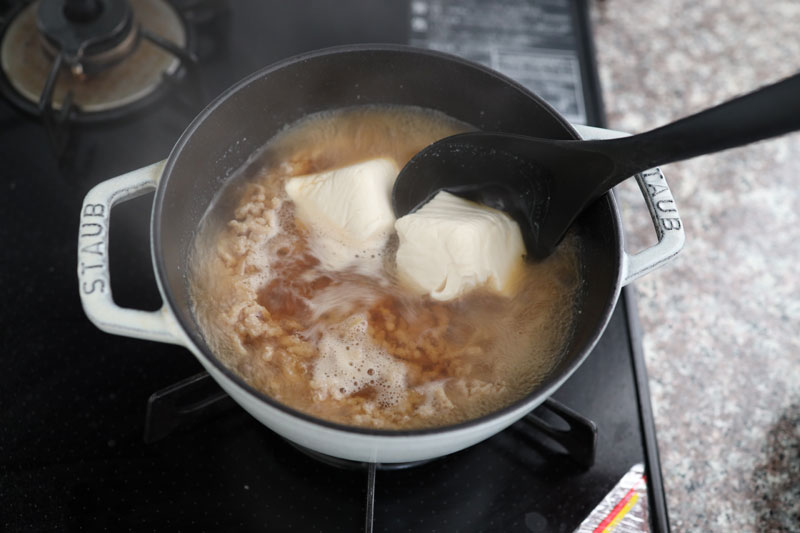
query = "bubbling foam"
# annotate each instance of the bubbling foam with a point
(350, 362)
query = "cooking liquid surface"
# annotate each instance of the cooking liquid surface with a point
(354, 345)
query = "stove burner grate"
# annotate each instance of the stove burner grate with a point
(555, 428)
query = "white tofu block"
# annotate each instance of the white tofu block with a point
(353, 202)
(452, 245)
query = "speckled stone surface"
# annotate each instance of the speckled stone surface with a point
(721, 323)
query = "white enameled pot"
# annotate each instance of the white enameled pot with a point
(220, 140)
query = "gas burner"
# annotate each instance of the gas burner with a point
(552, 427)
(90, 59)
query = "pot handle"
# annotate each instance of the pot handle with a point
(663, 211)
(93, 271)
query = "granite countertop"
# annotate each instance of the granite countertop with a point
(720, 323)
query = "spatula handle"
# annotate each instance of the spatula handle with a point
(767, 112)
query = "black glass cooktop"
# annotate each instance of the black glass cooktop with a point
(73, 399)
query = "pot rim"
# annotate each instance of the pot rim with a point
(532, 399)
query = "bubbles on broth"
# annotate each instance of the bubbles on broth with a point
(352, 344)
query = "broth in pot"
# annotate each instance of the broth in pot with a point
(328, 324)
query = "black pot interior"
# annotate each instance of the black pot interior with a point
(241, 120)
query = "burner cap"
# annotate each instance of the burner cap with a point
(90, 34)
